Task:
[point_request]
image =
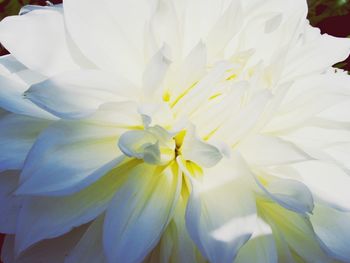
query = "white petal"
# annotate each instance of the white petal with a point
(14, 80)
(139, 213)
(260, 247)
(294, 234)
(77, 94)
(89, 249)
(333, 229)
(46, 49)
(300, 103)
(166, 27)
(192, 69)
(198, 151)
(48, 217)
(175, 244)
(191, 100)
(220, 227)
(118, 114)
(69, 156)
(17, 135)
(310, 58)
(110, 34)
(154, 75)
(291, 194)
(327, 182)
(240, 125)
(9, 203)
(268, 150)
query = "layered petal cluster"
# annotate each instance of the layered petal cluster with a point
(173, 131)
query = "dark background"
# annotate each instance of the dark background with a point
(331, 16)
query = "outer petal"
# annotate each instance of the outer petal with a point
(110, 33)
(52, 250)
(17, 135)
(69, 156)
(291, 194)
(15, 78)
(260, 248)
(77, 94)
(9, 204)
(309, 58)
(327, 182)
(293, 233)
(140, 211)
(46, 49)
(218, 227)
(89, 249)
(48, 217)
(333, 229)
(175, 244)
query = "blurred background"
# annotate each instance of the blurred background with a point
(331, 16)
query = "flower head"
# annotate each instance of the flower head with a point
(173, 131)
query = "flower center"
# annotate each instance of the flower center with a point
(154, 145)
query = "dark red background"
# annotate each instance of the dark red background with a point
(337, 26)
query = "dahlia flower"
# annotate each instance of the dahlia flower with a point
(173, 131)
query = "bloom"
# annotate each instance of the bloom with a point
(173, 131)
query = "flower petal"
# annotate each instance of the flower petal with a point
(9, 204)
(46, 49)
(260, 248)
(78, 94)
(154, 74)
(51, 250)
(48, 217)
(333, 229)
(324, 180)
(268, 150)
(198, 151)
(110, 34)
(291, 194)
(175, 244)
(218, 227)
(89, 249)
(294, 234)
(15, 78)
(139, 212)
(17, 135)
(69, 156)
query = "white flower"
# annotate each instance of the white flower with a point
(173, 131)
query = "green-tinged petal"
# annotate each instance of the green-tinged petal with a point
(291, 194)
(293, 232)
(175, 244)
(69, 156)
(261, 246)
(198, 151)
(221, 212)
(140, 211)
(333, 229)
(48, 217)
